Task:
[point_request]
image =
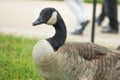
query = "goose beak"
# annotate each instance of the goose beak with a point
(38, 22)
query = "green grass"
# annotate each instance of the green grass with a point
(16, 61)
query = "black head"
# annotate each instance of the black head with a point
(47, 16)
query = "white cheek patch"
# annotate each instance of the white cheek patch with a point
(53, 19)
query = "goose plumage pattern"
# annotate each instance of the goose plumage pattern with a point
(60, 60)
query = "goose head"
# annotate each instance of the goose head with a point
(51, 16)
(47, 16)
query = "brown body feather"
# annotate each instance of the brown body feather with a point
(77, 61)
(104, 59)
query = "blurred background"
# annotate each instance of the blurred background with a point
(16, 17)
(87, 1)
(18, 36)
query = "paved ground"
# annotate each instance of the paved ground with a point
(16, 18)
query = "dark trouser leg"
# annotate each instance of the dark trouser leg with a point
(102, 14)
(111, 11)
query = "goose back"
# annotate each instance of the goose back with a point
(96, 58)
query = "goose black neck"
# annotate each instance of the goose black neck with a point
(60, 34)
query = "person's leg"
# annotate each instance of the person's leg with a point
(80, 4)
(101, 16)
(112, 14)
(78, 11)
(111, 11)
(75, 7)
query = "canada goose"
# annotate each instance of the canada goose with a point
(57, 60)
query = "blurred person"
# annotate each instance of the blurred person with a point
(101, 17)
(109, 9)
(77, 7)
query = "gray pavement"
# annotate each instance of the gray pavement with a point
(16, 18)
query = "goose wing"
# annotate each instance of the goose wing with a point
(92, 53)
(88, 51)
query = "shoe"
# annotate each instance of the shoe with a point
(109, 30)
(80, 31)
(77, 32)
(84, 24)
